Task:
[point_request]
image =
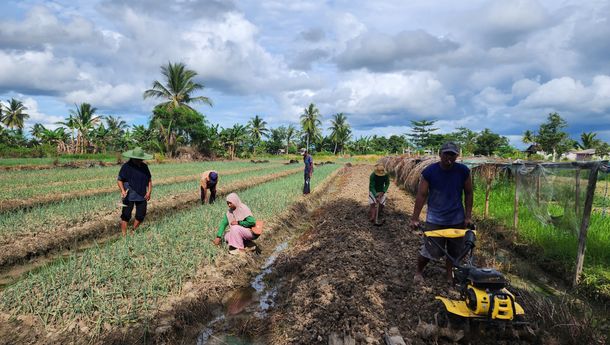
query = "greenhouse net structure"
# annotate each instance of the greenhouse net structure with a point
(558, 209)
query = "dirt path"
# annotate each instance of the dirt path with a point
(350, 278)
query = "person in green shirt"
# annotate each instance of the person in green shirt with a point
(379, 182)
(240, 221)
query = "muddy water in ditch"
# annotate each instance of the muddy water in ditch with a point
(253, 300)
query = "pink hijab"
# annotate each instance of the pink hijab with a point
(241, 210)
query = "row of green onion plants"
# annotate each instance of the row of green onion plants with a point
(78, 210)
(121, 282)
(31, 184)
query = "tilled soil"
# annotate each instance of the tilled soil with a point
(351, 281)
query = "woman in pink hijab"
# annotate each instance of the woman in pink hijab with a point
(240, 219)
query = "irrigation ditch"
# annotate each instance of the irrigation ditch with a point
(35, 251)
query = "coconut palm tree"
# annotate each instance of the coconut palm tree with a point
(115, 124)
(37, 130)
(84, 121)
(178, 88)
(258, 130)
(340, 130)
(233, 138)
(177, 91)
(291, 132)
(14, 114)
(310, 121)
(588, 141)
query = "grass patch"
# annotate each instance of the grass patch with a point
(553, 228)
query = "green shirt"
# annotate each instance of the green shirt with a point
(246, 223)
(379, 183)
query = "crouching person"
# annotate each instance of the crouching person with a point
(240, 221)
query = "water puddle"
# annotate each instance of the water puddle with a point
(255, 299)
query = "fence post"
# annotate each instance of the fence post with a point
(516, 205)
(577, 191)
(538, 172)
(584, 225)
(487, 192)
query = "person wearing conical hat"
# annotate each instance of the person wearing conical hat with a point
(379, 182)
(208, 181)
(135, 183)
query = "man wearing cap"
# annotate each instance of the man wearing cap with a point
(379, 182)
(209, 180)
(443, 184)
(135, 183)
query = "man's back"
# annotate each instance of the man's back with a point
(446, 187)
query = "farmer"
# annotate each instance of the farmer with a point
(240, 220)
(208, 181)
(135, 183)
(308, 160)
(379, 182)
(443, 184)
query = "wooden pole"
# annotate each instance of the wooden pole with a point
(487, 192)
(516, 205)
(577, 191)
(584, 225)
(538, 187)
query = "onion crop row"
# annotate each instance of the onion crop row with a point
(76, 211)
(119, 283)
(68, 182)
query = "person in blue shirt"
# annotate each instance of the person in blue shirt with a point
(444, 184)
(308, 160)
(135, 183)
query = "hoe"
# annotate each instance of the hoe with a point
(483, 294)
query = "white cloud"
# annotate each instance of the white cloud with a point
(491, 97)
(377, 51)
(36, 116)
(38, 72)
(41, 27)
(380, 99)
(524, 87)
(504, 23)
(226, 54)
(105, 95)
(562, 93)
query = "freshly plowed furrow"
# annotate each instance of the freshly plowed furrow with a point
(45, 242)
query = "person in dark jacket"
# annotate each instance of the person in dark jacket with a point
(135, 183)
(379, 182)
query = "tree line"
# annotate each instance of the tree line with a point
(174, 123)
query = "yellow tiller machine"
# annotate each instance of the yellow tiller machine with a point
(483, 293)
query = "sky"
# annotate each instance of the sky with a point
(502, 65)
